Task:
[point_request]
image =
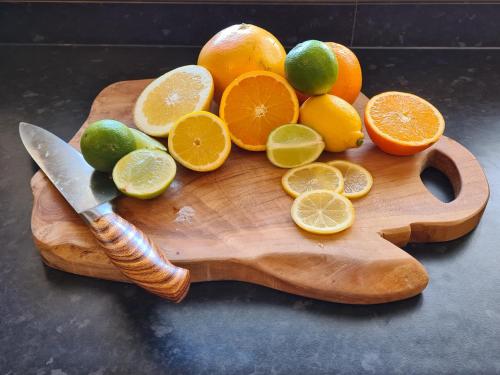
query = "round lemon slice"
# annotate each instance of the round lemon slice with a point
(293, 145)
(357, 180)
(171, 96)
(144, 173)
(314, 176)
(200, 141)
(322, 212)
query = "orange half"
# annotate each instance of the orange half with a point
(401, 123)
(256, 103)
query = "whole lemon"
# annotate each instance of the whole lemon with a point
(335, 119)
(311, 67)
(105, 142)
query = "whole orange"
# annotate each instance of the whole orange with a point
(349, 79)
(348, 84)
(239, 49)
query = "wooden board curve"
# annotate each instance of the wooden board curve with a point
(234, 223)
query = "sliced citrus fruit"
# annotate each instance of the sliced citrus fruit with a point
(401, 123)
(357, 180)
(144, 173)
(322, 212)
(171, 96)
(145, 141)
(314, 176)
(200, 141)
(293, 145)
(254, 104)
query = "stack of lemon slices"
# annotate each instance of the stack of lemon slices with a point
(323, 193)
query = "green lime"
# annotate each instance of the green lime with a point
(105, 142)
(293, 145)
(144, 173)
(145, 141)
(311, 67)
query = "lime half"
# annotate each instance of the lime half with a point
(145, 141)
(144, 173)
(294, 145)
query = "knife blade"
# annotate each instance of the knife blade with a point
(89, 192)
(82, 186)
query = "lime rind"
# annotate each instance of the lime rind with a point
(143, 140)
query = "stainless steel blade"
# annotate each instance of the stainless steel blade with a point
(82, 186)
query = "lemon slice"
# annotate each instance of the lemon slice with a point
(144, 173)
(145, 141)
(171, 96)
(200, 141)
(357, 180)
(322, 212)
(294, 145)
(315, 176)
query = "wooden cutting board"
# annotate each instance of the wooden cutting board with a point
(234, 223)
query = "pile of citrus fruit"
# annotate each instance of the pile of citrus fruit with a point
(292, 105)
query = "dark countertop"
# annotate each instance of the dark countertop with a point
(56, 323)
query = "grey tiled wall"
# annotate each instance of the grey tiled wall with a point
(373, 24)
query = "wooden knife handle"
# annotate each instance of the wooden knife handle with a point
(136, 256)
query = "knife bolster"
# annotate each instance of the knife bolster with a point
(94, 213)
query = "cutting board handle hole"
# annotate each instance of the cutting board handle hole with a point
(438, 184)
(441, 177)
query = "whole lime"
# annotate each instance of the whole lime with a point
(311, 67)
(105, 142)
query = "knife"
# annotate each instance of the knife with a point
(90, 192)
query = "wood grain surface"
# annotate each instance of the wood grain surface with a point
(235, 224)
